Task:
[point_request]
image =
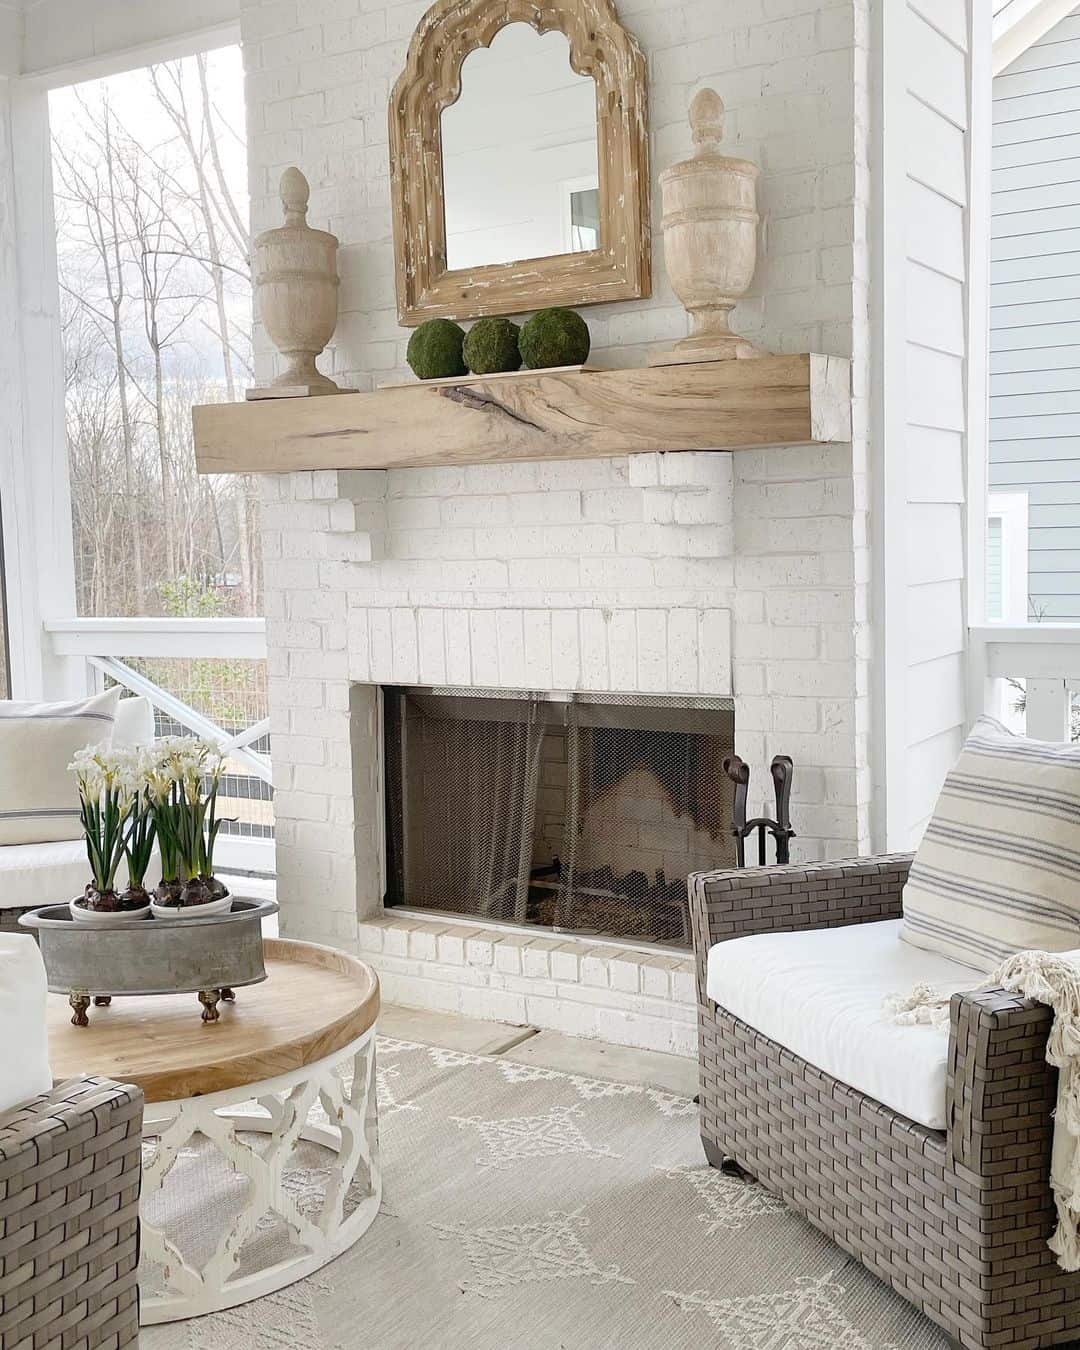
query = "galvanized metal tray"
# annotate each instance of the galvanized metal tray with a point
(210, 956)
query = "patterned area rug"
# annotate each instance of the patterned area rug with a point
(526, 1209)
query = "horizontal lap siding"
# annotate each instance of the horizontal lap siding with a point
(936, 414)
(1035, 309)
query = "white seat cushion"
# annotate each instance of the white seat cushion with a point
(53, 873)
(24, 1065)
(42, 874)
(820, 995)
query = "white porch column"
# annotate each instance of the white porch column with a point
(34, 495)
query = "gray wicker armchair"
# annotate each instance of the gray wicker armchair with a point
(70, 1166)
(955, 1220)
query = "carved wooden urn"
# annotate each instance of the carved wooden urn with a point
(710, 238)
(296, 289)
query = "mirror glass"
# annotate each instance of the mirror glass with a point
(519, 153)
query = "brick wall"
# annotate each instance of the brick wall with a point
(417, 576)
(696, 573)
(319, 74)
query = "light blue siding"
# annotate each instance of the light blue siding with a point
(1035, 311)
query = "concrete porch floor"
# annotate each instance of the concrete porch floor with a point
(548, 1049)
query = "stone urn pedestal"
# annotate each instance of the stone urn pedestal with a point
(296, 292)
(710, 238)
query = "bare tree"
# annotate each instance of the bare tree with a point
(201, 133)
(153, 261)
(89, 185)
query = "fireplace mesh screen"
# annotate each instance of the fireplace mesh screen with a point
(582, 814)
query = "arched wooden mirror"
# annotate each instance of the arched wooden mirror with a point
(519, 160)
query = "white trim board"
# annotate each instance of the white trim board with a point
(1011, 509)
(1021, 24)
(89, 39)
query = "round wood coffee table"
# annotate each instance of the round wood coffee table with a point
(234, 1110)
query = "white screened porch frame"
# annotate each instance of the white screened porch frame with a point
(1046, 656)
(100, 646)
(35, 505)
(52, 654)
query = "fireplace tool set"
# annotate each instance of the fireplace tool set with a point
(780, 770)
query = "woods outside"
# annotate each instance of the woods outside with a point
(149, 182)
(150, 191)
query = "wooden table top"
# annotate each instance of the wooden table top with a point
(315, 1001)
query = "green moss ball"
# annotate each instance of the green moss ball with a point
(491, 345)
(434, 350)
(554, 337)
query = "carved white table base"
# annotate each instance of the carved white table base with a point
(287, 1109)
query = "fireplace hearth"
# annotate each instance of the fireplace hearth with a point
(579, 813)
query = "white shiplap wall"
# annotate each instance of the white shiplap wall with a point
(936, 329)
(1035, 314)
(925, 267)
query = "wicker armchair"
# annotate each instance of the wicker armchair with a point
(955, 1220)
(70, 1165)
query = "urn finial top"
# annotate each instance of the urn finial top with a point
(707, 121)
(294, 192)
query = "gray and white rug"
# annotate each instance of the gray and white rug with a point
(526, 1209)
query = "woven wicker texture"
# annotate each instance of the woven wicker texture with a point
(955, 1221)
(70, 1166)
(9, 920)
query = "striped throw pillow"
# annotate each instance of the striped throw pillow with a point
(38, 797)
(998, 869)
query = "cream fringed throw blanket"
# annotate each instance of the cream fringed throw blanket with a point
(1052, 978)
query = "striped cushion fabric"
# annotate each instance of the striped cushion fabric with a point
(38, 797)
(998, 869)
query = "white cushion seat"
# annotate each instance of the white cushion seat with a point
(42, 874)
(820, 995)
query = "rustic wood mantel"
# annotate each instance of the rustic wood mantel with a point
(574, 414)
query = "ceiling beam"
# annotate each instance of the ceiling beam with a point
(1022, 23)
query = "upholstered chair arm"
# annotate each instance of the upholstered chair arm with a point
(70, 1167)
(793, 898)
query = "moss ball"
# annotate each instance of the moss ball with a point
(491, 345)
(554, 337)
(434, 350)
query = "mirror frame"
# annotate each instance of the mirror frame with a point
(600, 48)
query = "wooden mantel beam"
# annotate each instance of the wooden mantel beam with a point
(579, 414)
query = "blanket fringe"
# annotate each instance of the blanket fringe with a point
(924, 1006)
(1064, 1242)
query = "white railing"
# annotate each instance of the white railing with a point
(1044, 656)
(109, 646)
(241, 638)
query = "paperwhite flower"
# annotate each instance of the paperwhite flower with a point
(87, 770)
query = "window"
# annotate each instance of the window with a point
(149, 180)
(581, 215)
(150, 192)
(1007, 558)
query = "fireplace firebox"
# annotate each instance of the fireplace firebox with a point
(581, 813)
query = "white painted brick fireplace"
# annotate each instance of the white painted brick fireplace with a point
(696, 573)
(704, 574)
